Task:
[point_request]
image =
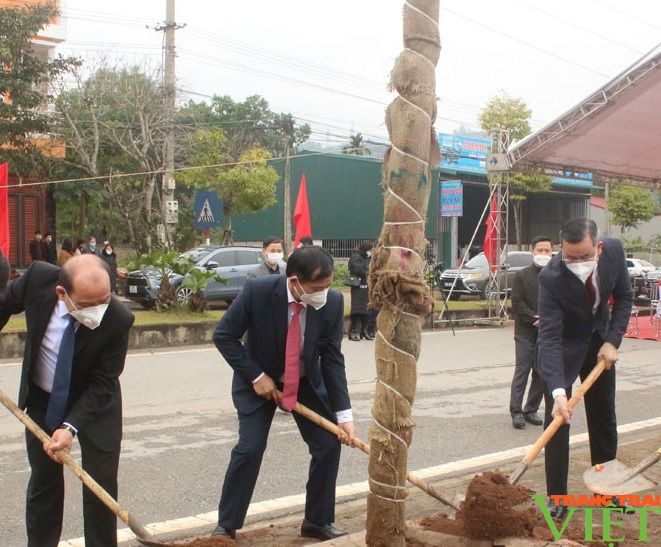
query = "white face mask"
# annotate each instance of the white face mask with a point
(90, 317)
(316, 299)
(583, 269)
(274, 258)
(541, 260)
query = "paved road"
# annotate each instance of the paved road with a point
(180, 424)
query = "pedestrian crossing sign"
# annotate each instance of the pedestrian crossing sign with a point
(207, 210)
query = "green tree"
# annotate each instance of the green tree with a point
(24, 80)
(630, 206)
(247, 187)
(112, 124)
(356, 146)
(504, 112)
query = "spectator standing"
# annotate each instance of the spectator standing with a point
(37, 247)
(273, 255)
(90, 248)
(110, 258)
(524, 304)
(359, 265)
(80, 247)
(50, 249)
(576, 328)
(66, 253)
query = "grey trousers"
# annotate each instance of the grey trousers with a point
(525, 359)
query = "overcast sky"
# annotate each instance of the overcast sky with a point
(328, 62)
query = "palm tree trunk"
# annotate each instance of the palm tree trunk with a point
(397, 285)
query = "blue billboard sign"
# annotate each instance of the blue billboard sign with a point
(464, 154)
(207, 210)
(579, 180)
(452, 198)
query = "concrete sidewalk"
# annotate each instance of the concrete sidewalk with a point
(280, 519)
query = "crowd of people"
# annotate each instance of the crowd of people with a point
(282, 337)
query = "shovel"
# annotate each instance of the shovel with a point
(615, 478)
(142, 535)
(333, 428)
(548, 433)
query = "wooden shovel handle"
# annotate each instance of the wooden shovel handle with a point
(557, 422)
(135, 526)
(333, 428)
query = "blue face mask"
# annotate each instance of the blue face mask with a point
(369, 254)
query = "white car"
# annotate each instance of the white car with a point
(638, 267)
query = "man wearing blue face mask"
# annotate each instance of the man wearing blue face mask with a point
(77, 339)
(576, 328)
(292, 352)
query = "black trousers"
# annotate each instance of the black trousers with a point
(246, 459)
(525, 359)
(45, 494)
(602, 424)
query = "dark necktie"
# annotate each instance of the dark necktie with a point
(589, 287)
(292, 359)
(62, 378)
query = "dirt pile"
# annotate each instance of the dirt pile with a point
(489, 513)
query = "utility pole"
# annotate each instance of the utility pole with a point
(287, 200)
(169, 206)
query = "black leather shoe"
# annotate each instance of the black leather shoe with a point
(556, 511)
(366, 335)
(533, 418)
(222, 531)
(325, 531)
(518, 421)
(354, 337)
(625, 507)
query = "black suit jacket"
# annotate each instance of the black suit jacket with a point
(95, 402)
(260, 310)
(566, 321)
(525, 293)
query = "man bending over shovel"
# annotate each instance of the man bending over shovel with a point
(293, 326)
(576, 328)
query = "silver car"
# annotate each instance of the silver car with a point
(474, 276)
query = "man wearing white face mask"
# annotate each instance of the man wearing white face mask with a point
(70, 312)
(278, 314)
(273, 255)
(576, 328)
(524, 304)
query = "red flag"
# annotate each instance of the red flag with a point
(491, 237)
(302, 214)
(4, 209)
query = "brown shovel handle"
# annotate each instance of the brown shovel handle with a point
(135, 526)
(557, 422)
(333, 428)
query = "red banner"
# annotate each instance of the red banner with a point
(302, 214)
(491, 237)
(4, 209)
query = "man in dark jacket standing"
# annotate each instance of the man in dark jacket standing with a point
(525, 289)
(576, 328)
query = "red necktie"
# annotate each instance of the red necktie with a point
(292, 359)
(589, 287)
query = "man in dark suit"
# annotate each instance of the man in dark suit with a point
(53, 299)
(525, 292)
(576, 328)
(273, 255)
(263, 311)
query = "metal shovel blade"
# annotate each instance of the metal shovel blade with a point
(615, 478)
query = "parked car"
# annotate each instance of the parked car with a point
(230, 262)
(474, 276)
(638, 267)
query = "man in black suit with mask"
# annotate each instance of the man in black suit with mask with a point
(576, 328)
(266, 310)
(70, 311)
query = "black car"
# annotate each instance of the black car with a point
(230, 262)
